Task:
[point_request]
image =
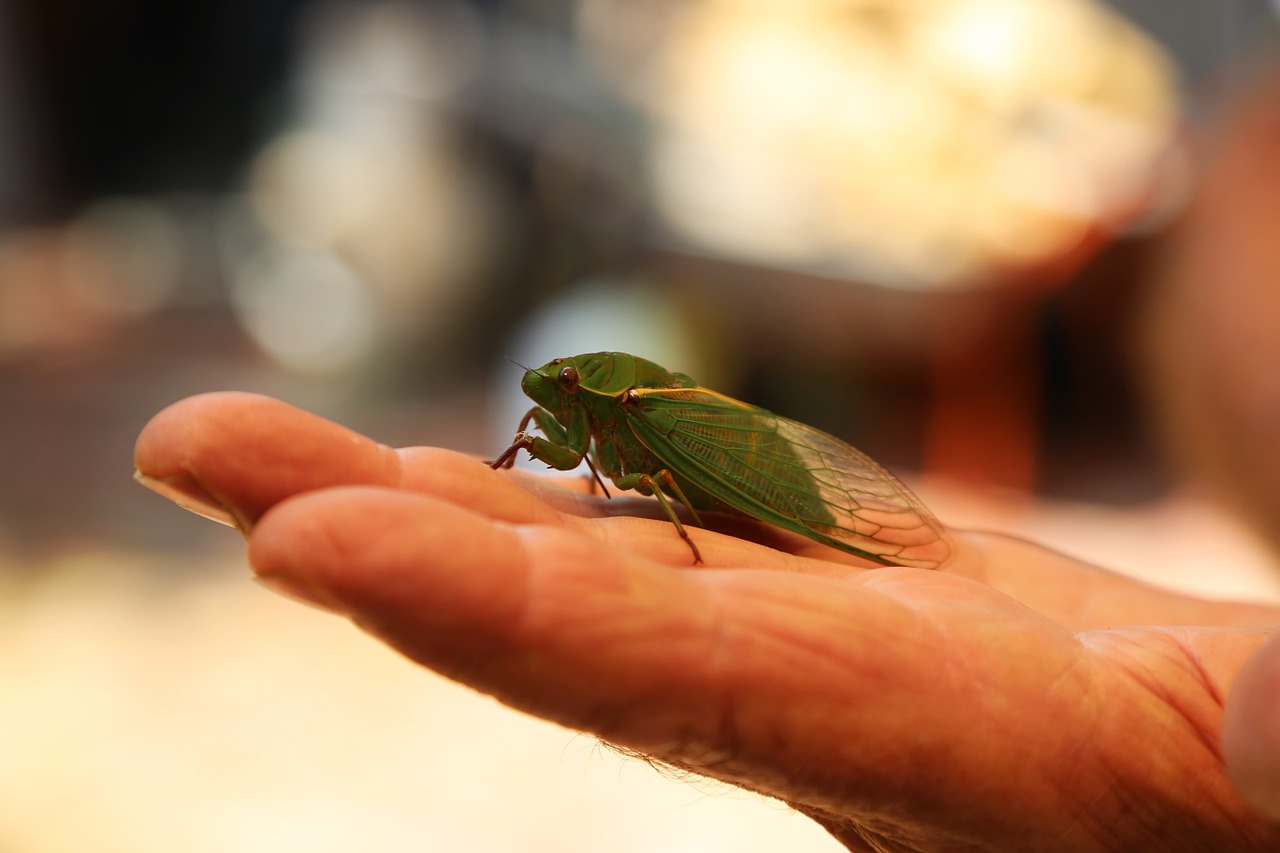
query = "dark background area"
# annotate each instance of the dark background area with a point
(172, 101)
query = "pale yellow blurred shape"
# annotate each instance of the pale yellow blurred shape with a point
(312, 187)
(369, 173)
(872, 137)
(154, 707)
(307, 308)
(1002, 50)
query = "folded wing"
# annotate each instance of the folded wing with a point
(789, 474)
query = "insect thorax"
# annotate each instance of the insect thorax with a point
(617, 450)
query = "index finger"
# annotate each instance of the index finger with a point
(231, 456)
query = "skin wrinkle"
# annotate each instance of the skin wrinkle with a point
(645, 719)
(746, 648)
(1080, 753)
(1145, 818)
(813, 647)
(973, 678)
(726, 728)
(1209, 730)
(1196, 661)
(1135, 648)
(687, 748)
(726, 657)
(1133, 798)
(1064, 686)
(337, 534)
(788, 658)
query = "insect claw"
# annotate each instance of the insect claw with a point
(508, 457)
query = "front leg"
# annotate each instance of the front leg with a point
(562, 450)
(555, 456)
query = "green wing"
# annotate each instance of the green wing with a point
(788, 474)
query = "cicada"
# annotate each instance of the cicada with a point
(661, 434)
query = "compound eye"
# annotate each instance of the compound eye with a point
(569, 379)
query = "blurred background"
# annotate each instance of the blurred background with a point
(1020, 251)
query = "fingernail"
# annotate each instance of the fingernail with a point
(187, 493)
(292, 589)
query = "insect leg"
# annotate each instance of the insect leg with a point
(546, 424)
(508, 457)
(664, 476)
(646, 484)
(595, 476)
(554, 450)
(555, 456)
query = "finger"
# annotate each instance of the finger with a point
(243, 453)
(1251, 731)
(749, 676)
(470, 483)
(1085, 597)
(231, 456)
(544, 620)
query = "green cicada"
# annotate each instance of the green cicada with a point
(658, 432)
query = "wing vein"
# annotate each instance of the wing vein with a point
(789, 474)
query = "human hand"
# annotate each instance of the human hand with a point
(1013, 699)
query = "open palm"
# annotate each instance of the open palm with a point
(1013, 699)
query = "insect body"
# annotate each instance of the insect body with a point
(658, 432)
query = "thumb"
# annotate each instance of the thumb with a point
(1251, 730)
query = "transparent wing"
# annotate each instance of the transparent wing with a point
(788, 474)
